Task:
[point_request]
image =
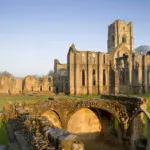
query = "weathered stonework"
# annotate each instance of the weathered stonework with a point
(90, 116)
(120, 70)
(60, 77)
(11, 85)
(33, 84)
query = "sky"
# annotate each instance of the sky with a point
(35, 32)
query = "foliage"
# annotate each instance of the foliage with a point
(14, 98)
(5, 73)
(41, 79)
(51, 73)
(147, 96)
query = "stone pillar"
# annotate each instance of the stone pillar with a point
(107, 73)
(116, 82)
(78, 74)
(71, 71)
(130, 70)
(140, 70)
(148, 139)
(89, 74)
(100, 73)
(145, 74)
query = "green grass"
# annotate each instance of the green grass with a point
(14, 98)
(3, 134)
(147, 96)
(77, 96)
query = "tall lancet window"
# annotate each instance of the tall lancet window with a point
(94, 77)
(104, 77)
(124, 39)
(83, 77)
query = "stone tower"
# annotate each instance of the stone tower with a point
(120, 32)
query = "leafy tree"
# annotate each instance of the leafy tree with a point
(51, 73)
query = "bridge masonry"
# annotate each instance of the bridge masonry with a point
(123, 108)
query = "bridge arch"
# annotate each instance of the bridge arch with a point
(115, 109)
(84, 120)
(54, 117)
(93, 121)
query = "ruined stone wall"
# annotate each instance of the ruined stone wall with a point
(10, 85)
(60, 77)
(30, 84)
(141, 74)
(33, 84)
(119, 71)
(89, 72)
(107, 73)
(138, 74)
(48, 84)
(86, 72)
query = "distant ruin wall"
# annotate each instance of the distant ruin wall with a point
(11, 85)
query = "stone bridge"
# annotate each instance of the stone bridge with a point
(82, 116)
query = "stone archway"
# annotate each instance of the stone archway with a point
(91, 125)
(53, 117)
(84, 120)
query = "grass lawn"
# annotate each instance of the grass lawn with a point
(3, 134)
(14, 98)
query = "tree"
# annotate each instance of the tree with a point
(51, 73)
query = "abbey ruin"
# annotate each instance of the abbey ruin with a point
(29, 84)
(110, 122)
(122, 69)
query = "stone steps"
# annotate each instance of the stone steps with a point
(12, 146)
(17, 140)
(22, 142)
(2, 147)
(10, 132)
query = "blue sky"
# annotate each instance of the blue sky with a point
(35, 32)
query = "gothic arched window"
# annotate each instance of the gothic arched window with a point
(104, 59)
(83, 77)
(40, 88)
(94, 77)
(104, 77)
(124, 39)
